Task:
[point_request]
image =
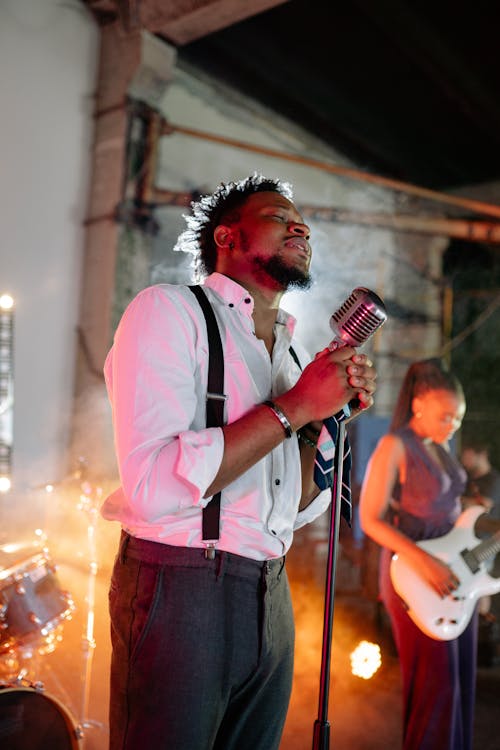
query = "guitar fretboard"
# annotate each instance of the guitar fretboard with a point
(487, 548)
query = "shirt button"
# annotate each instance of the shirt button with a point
(247, 300)
(273, 532)
(230, 304)
(277, 481)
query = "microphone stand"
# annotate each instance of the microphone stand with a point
(353, 323)
(321, 737)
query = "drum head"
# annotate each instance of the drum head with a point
(32, 603)
(30, 720)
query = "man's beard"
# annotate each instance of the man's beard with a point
(288, 277)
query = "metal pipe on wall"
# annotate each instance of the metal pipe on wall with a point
(472, 231)
(489, 209)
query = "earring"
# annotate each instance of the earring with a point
(418, 414)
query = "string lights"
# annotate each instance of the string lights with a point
(6, 389)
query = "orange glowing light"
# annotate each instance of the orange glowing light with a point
(365, 660)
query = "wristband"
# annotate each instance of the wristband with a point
(281, 416)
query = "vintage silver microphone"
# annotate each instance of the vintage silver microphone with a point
(358, 318)
(353, 323)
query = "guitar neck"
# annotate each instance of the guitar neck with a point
(487, 548)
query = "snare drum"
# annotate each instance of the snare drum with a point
(32, 603)
(30, 718)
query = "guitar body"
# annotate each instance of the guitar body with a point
(445, 619)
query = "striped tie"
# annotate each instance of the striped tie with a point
(324, 462)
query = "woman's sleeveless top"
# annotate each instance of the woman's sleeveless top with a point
(428, 503)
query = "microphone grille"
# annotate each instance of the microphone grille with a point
(359, 317)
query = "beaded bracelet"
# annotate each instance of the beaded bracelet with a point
(306, 440)
(281, 416)
(307, 428)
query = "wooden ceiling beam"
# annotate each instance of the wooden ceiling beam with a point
(178, 21)
(184, 21)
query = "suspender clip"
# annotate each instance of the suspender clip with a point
(210, 551)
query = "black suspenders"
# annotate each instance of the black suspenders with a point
(215, 411)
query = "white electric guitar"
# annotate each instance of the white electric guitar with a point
(444, 619)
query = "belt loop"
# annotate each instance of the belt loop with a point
(263, 576)
(123, 546)
(220, 561)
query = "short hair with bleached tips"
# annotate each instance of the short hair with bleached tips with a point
(221, 207)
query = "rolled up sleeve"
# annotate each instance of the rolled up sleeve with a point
(156, 379)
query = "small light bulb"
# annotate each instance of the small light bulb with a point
(6, 302)
(5, 484)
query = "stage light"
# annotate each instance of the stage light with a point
(5, 484)
(365, 660)
(6, 302)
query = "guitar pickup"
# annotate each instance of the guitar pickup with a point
(470, 560)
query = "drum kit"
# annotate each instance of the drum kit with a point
(33, 608)
(33, 611)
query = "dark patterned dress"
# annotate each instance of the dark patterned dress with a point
(438, 676)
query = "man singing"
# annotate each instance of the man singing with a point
(203, 636)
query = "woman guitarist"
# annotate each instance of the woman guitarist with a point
(411, 492)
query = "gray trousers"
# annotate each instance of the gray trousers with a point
(202, 650)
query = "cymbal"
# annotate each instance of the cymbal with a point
(14, 552)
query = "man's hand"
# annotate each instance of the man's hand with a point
(364, 397)
(329, 382)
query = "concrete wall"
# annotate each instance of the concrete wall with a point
(48, 150)
(48, 57)
(345, 256)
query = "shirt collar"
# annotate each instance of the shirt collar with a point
(235, 295)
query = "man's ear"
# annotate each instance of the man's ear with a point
(223, 237)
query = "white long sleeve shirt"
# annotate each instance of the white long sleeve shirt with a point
(156, 376)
